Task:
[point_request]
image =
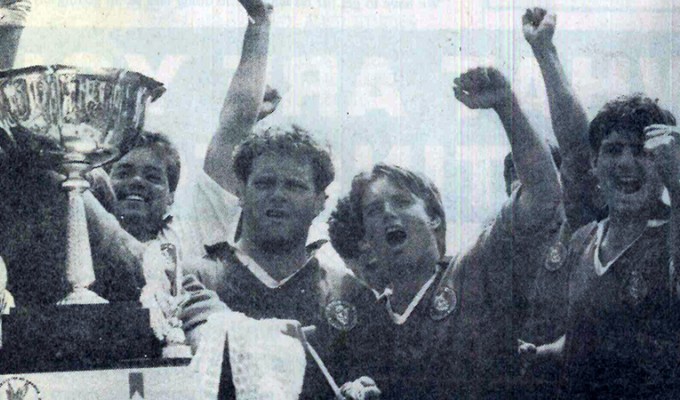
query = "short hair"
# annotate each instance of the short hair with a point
(160, 144)
(294, 141)
(632, 113)
(346, 225)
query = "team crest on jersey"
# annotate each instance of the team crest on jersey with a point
(636, 288)
(443, 303)
(555, 257)
(341, 315)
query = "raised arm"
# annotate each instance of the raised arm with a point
(488, 88)
(569, 120)
(13, 15)
(663, 142)
(244, 97)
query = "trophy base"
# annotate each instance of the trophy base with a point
(76, 337)
(82, 296)
(175, 350)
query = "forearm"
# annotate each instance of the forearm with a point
(569, 120)
(242, 103)
(111, 240)
(570, 126)
(531, 155)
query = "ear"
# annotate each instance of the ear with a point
(363, 246)
(170, 199)
(319, 203)
(435, 222)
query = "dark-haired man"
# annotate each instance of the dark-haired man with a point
(621, 333)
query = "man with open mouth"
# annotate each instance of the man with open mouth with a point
(621, 332)
(449, 320)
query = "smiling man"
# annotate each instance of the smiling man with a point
(144, 182)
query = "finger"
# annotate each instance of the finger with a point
(658, 141)
(658, 126)
(372, 393)
(464, 98)
(496, 78)
(478, 79)
(345, 387)
(456, 81)
(660, 129)
(654, 132)
(526, 18)
(539, 14)
(549, 20)
(466, 80)
(308, 330)
(366, 381)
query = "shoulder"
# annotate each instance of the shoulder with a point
(528, 225)
(208, 271)
(582, 235)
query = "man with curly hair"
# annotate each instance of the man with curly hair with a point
(268, 270)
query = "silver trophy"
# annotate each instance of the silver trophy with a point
(82, 119)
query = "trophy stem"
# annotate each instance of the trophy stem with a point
(79, 270)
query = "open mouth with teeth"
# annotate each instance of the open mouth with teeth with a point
(134, 197)
(395, 236)
(628, 185)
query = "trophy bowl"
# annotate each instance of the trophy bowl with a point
(93, 115)
(76, 120)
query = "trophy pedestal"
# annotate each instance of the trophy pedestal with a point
(76, 337)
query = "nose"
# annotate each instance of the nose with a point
(279, 192)
(627, 159)
(136, 181)
(389, 211)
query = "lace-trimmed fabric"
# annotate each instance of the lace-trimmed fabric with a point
(265, 363)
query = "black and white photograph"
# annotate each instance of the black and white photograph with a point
(339, 199)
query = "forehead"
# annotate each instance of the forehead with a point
(282, 165)
(623, 136)
(141, 157)
(384, 188)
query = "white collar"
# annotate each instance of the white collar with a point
(387, 293)
(601, 227)
(262, 275)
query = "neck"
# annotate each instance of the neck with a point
(278, 264)
(410, 282)
(139, 230)
(621, 232)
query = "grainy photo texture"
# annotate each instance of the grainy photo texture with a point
(339, 199)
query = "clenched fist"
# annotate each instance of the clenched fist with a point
(539, 27)
(483, 87)
(257, 9)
